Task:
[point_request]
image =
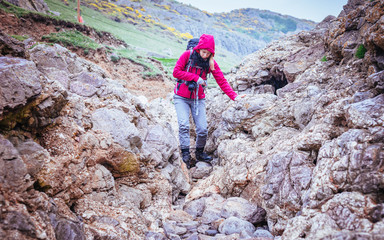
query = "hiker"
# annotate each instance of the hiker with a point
(191, 70)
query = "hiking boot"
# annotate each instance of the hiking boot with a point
(202, 156)
(187, 157)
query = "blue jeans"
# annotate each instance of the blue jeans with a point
(183, 107)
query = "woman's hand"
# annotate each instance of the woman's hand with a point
(201, 82)
(211, 63)
(240, 97)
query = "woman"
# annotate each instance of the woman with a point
(192, 70)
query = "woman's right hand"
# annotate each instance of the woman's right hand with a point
(201, 81)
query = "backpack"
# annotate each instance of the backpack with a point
(192, 43)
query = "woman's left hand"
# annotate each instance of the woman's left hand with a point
(240, 96)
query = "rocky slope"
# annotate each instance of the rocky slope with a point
(311, 155)
(300, 157)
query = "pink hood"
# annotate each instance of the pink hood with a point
(206, 42)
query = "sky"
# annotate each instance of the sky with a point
(315, 10)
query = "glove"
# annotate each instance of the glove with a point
(200, 81)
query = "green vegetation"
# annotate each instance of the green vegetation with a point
(10, 8)
(71, 38)
(283, 24)
(20, 38)
(115, 58)
(360, 52)
(168, 64)
(147, 40)
(324, 59)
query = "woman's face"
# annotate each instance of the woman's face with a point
(204, 53)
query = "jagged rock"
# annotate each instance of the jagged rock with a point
(236, 225)
(196, 207)
(367, 113)
(34, 156)
(33, 5)
(14, 173)
(240, 208)
(118, 124)
(262, 234)
(20, 82)
(11, 46)
(304, 158)
(86, 84)
(202, 170)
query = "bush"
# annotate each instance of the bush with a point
(71, 38)
(115, 58)
(360, 52)
(324, 59)
(19, 37)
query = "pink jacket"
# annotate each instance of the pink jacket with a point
(179, 72)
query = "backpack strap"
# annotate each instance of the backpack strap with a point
(189, 64)
(187, 67)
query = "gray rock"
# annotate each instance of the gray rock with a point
(18, 221)
(12, 168)
(261, 233)
(161, 143)
(86, 84)
(11, 46)
(19, 82)
(33, 5)
(195, 208)
(367, 113)
(236, 225)
(118, 124)
(154, 236)
(202, 170)
(171, 228)
(238, 207)
(33, 155)
(67, 230)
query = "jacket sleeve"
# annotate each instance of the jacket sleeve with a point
(223, 83)
(180, 72)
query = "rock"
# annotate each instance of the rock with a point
(137, 197)
(86, 84)
(171, 228)
(34, 156)
(12, 168)
(195, 208)
(102, 179)
(367, 113)
(34, 5)
(240, 208)
(118, 124)
(20, 83)
(236, 225)
(263, 234)
(69, 230)
(213, 207)
(11, 46)
(161, 143)
(18, 221)
(202, 170)
(154, 236)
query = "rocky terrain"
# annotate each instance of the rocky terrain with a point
(300, 157)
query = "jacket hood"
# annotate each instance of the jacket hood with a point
(206, 42)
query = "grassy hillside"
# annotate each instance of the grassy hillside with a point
(153, 42)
